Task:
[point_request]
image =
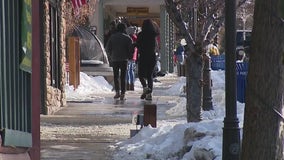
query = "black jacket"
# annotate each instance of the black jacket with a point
(119, 47)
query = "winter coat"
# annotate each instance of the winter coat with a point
(146, 45)
(135, 53)
(180, 54)
(119, 47)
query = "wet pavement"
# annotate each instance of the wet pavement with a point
(90, 130)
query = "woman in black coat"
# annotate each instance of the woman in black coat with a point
(147, 45)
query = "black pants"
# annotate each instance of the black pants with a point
(145, 73)
(119, 74)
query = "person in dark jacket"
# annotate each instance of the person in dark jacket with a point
(119, 47)
(147, 46)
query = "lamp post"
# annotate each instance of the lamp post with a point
(207, 86)
(231, 130)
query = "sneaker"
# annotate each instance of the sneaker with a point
(148, 97)
(117, 95)
(122, 97)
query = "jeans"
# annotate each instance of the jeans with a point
(130, 76)
(180, 58)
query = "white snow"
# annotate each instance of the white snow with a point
(175, 138)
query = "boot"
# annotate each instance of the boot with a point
(146, 90)
(122, 97)
(127, 86)
(117, 95)
(148, 97)
(131, 87)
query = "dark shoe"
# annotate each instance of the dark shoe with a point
(117, 95)
(127, 86)
(143, 96)
(156, 80)
(122, 97)
(148, 97)
(145, 91)
(131, 87)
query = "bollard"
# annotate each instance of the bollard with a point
(137, 119)
(148, 118)
(150, 115)
(133, 132)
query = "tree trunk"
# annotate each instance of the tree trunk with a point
(263, 126)
(194, 87)
(194, 64)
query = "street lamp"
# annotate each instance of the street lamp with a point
(231, 130)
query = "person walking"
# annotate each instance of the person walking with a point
(130, 76)
(147, 45)
(180, 54)
(120, 50)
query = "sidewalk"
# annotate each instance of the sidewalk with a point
(89, 131)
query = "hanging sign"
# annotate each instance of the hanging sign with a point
(137, 10)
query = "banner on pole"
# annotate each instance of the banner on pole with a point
(26, 36)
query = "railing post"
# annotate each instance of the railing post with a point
(74, 61)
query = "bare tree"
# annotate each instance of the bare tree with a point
(263, 134)
(197, 21)
(244, 15)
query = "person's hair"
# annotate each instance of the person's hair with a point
(112, 25)
(121, 27)
(150, 27)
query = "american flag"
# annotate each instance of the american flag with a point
(77, 4)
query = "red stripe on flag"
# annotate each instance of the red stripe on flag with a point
(84, 2)
(78, 3)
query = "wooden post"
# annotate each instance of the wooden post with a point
(74, 61)
(37, 103)
(150, 115)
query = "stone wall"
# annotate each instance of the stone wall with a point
(55, 98)
(63, 49)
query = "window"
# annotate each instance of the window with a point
(54, 45)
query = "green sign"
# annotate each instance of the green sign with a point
(26, 36)
(281, 8)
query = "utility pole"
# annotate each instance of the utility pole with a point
(231, 130)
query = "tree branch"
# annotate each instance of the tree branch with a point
(177, 19)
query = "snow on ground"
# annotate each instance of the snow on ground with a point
(175, 138)
(89, 88)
